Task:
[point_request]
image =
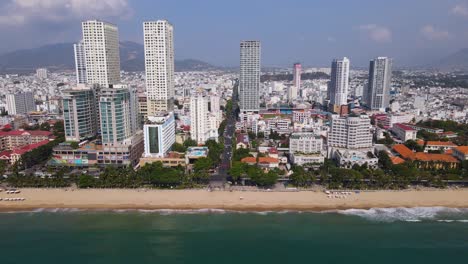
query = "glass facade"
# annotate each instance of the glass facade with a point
(153, 133)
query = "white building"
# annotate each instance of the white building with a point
(380, 80)
(292, 93)
(404, 132)
(348, 158)
(203, 126)
(306, 142)
(249, 81)
(20, 103)
(350, 132)
(297, 71)
(41, 73)
(159, 135)
(339, 82)
(80, 62)
(159, 65)
(101, 45)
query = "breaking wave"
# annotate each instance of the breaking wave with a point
(415, 214)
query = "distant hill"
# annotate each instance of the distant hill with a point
(60, 56)
(456, 61)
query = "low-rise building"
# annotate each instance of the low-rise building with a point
(305, 142)
(13, 156)
(441, 146)
(404, 132)
(262, 162)
(461, 152)
(348, 158)
(242, 141)
(13, 139)
(303, 159)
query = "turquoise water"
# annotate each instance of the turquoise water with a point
(419, 235)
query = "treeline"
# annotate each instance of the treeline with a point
(153, 175)
(289, 77)
(447, 125)
(388, 176)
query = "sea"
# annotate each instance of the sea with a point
(392, 235)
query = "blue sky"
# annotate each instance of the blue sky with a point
(413, 32)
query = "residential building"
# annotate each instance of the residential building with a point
(118, 114)
(297, 71)
(249, 81)
(352, 132)
(80, 113)
(461, 153)
(20, 103)
(41, 73)
(159, 134)
(101, 46)
(441, 146)
(14, 155)
(14, 139)
(159, 65)
(80, 62)
(262, 162)
(292, 93)
(242, 141)
(380, 80)
(305, 142)
(404, 132)
(202, 126)
(339, 83)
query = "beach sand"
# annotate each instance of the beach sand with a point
(250, 201)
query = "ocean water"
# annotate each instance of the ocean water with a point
(400, 235)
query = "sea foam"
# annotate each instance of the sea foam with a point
(415, 214)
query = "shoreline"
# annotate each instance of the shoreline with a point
(239, 201)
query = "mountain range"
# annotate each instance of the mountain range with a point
(60, 56)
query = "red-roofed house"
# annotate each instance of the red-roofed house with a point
(264, 162)
(242, 141)
(13, 139)
(12, 156)
(442, 146)
(426, 160)
(404, 132)
(461, 152)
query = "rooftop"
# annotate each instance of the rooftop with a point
(404, 127)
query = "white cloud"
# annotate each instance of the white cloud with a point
(20, 12)
(431, 33)
(460, 10)
(377, 33)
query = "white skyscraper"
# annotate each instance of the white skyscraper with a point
(297, 71)
(249, 81)
(380, 80)
(292, 93)
(159, 65)
(80, 62)
(41, 73)
(203, 124)
(20, 103)
(339, 82)
(159, 134)
(101, 45)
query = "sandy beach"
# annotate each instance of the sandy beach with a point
(237, 200)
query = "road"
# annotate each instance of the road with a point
(218, 180)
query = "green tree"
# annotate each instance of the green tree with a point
(237, 170)
(190, 143)
(178, 147)
(203, 164)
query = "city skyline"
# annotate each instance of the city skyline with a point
(413, 39)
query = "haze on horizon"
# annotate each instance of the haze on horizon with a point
(414, 33)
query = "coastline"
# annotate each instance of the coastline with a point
(248, 201)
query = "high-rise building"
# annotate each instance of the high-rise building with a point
(292, 93)
(159, 134)
(297, 71)
(118, 113)
(80, 62)
(41, 73)
(20, 103)
(380, 80)
(101, 45)
(305, 142)
(80, 113)
(249, 81)
(203, 124)
(159, 65)
(339, 82)
(350, 132)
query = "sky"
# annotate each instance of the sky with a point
(313, 32)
